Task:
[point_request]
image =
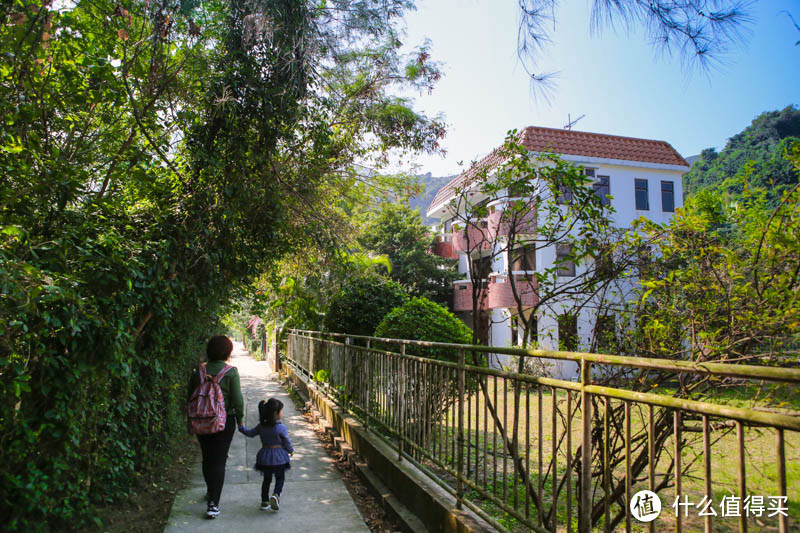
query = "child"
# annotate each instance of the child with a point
(273, 457)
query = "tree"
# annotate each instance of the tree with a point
(700, 31)
(155, 157)
(754, 158)
(361, 304)
(517, 204)
(396, 231)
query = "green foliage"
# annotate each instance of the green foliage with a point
(727, 277)
(423, 320)
(360, 304)
(754, 158)
(397, 231)
(322, 376)
(154, 158)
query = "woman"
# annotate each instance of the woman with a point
(215, 445)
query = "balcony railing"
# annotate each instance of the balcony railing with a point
(501, 292)
(443, 247)
(462, 297)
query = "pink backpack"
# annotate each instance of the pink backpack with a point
(206, 407)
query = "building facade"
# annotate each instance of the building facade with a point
(637, 177)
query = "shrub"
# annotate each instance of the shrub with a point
(427, 400)
(361, 303)
(423, 320)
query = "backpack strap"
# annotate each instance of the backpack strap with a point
(203, 373)
(221, 373)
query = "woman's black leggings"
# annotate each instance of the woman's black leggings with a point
(215, 454)
(280, 476)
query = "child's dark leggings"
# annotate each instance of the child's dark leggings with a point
(280, 475)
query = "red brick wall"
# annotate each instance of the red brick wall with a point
(501, 295)
(462, 297)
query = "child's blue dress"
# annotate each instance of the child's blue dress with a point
(275, 446)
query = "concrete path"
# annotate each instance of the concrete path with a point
(314, 496)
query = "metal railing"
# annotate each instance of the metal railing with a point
(472, 429)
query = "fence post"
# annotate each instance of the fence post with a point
(400, 392)
(311, 357)
(460, 453)
(368, 380)
(586, 449)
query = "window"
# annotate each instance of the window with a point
(602, 188)
(481, 267)
(524, 258)
(604, 264)
(642, 201)
(566, 267)
(644, 261)
(667, 196)
(564, 196)
(568, 332)
(605, 334)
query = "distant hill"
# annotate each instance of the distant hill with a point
(692, 158)
(432, 185)
(758, 149)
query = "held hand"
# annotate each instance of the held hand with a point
(242, 428)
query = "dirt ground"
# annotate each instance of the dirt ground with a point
(147, 509)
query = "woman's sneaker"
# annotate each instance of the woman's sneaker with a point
(275, 502)
(264, 506)
(212, 511)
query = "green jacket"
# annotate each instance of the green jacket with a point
(231, 388)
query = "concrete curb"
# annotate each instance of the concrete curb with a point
(402, 488)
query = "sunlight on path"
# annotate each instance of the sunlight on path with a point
(314, 497)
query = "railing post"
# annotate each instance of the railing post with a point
(586, 449)
(460, 452)
(400, 392)
(368, 380)
(311, 357)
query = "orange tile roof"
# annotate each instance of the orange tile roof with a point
(570, 142)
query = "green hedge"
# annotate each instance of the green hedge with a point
(423, 320)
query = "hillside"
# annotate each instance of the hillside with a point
(759, 149)
(432, 185)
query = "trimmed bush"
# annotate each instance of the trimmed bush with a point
(427, 400)
(423, 320)
(361, 303)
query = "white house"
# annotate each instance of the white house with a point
(642, 177)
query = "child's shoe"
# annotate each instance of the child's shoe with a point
(275, 502)
(264, 506)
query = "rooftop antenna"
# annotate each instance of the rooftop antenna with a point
(571, 122)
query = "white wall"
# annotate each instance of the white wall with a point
(622, 189)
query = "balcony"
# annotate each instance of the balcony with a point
(501, 221)
(480, 238)
(501, 294)
(462, 298)
(443, 247)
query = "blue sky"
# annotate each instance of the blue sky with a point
(620, 82)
